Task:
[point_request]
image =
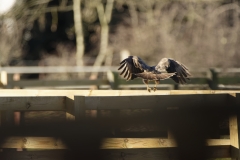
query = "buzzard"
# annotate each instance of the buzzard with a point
(133, 67)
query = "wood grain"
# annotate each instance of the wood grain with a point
(156, 101)
(33, 103)
(107, 143)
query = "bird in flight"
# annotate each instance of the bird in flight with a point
(134, 67)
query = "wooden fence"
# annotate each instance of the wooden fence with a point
(202, 79)
(128, 124)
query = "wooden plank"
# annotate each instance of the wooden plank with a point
(33, 103)
(56, 69)
(33, 143)
(218, 142)
(71, 93)
(117, 143)
(107, 143)
(229, 80)
(52, 83)
(3, 78)
(156, 102)
(233, 131)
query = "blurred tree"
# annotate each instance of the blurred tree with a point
(104, 16)
(12, 25)
(79, 32)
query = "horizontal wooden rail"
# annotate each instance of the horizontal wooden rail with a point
(56, 69)
(202, 76)
(156, 102)
(53, 83)
(72, 69)
(71, 93)
(107, 143)
(33, 103)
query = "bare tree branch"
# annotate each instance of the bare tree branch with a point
(104, 17)
(79, 32)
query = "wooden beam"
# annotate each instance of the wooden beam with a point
(218, 142)
(118, 143)
(71, 93)
(56, 69)
(233, 131)
(52, 83)
(156, 101)
(33, 103)
(33, 143)
(107, 143)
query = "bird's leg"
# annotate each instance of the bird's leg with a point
(145, 81)
(156, 83)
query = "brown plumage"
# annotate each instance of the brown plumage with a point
(133, 67)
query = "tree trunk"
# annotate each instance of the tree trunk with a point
(78, 32)
(104, 18)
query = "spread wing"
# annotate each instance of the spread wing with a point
(171, 66)
(131, 66)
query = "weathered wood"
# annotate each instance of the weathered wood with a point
(69, 109)
(156, 102)
(7, 117)
(217, 142)
(233, 131)
(56, 69)
(118, 143)
(71, 93)
(32, 103)
(52, 83)
(33, 143)
(107, 143)
(3, 77)
(234, 126)
(213, 81)
(79, 107)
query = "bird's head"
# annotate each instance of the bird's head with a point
(162, 65)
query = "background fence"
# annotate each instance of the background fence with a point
(127, 124)
(202, 79)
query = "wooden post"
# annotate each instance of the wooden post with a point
(70, 109)
(10, 81)
(3, 77)
(113, 79)
(79, 107)
(234, 127)
(213, 83)
(176, 86)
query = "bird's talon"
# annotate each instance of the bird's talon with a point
(154, 88)
(149, 89)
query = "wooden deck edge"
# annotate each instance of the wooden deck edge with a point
(107, 143)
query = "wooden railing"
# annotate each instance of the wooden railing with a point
(180, 122)
(202, 78)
